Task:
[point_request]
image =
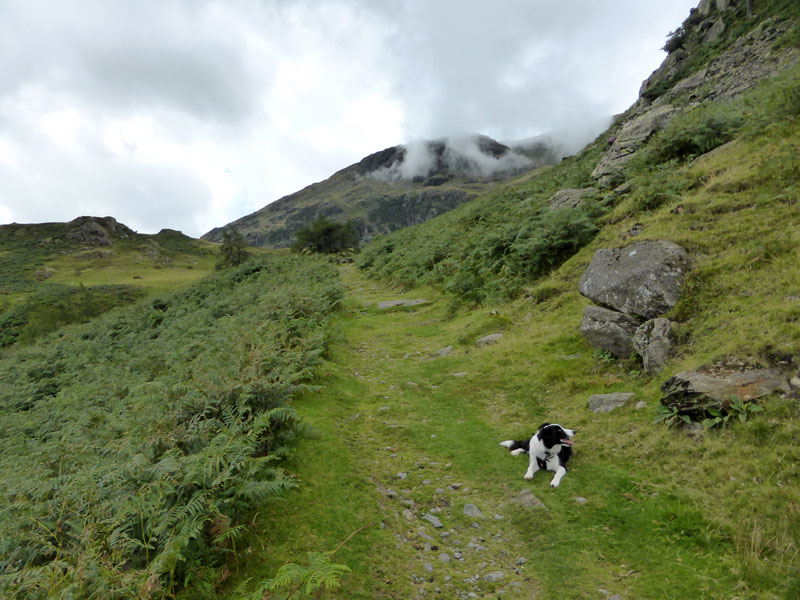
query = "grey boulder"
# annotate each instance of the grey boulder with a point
(643, 279)
(609, 330)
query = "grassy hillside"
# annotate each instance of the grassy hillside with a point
(135, 449)
(52, 278)
(647, 510)
(140, 451)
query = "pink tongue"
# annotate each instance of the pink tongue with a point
(568, 442)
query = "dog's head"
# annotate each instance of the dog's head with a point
(552, 434)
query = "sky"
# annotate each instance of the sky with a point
(188, 114)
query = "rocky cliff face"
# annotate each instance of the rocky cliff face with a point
(718, 53)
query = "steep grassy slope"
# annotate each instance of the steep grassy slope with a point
(52, 274)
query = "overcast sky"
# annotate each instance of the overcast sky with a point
(189, 114)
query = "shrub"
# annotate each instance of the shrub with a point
(326, 237)
(234, 249)
(693, 135)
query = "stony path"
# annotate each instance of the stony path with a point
(453, 536)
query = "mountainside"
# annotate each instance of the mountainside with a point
(396, 187)
(644, 292)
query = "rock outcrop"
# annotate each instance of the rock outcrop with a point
(630, 138)
(95, 231)
(694, 393)
(570, 198)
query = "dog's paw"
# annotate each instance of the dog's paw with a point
(528, 476)
(554, 484)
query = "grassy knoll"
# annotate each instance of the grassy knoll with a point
(47, 281)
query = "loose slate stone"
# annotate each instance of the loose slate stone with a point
(387, 304)
(608, 402)
(494, 576)
(432, 520)
(694, 393)
(528, 500)
(471, 510)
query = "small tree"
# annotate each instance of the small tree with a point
(326, 237)
(234, 249)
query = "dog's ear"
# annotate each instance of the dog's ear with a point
(543, 425)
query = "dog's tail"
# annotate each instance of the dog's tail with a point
(516, 447)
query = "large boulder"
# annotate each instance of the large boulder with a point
(693, 393)
(652, 342)
(609, 330)
(643, 279)
(630, 138)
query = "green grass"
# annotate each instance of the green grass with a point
(48, 282)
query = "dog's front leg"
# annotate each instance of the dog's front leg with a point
(532, 467)
(560, 472)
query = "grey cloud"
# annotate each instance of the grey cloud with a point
(513, 68)
(203, 73)
(128, 56)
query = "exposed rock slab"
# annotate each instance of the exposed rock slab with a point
(570, 198)
(693, 393)
(653, 343)
(387, 304)
(600, 403)
(486, 340)
(609, 330)
(630, 138)
(643, 279)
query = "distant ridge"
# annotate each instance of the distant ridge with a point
(397, 187)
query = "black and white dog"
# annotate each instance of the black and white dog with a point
(550, 450)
